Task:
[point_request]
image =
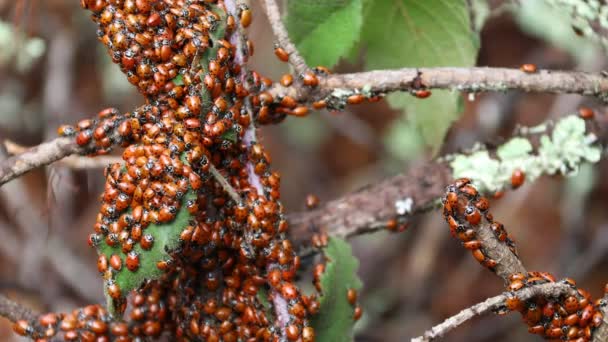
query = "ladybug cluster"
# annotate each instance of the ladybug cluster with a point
(570, 317)
(464, 209)
(148, 318)
(98, 136)
(195, 186)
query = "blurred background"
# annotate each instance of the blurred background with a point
(53, 71)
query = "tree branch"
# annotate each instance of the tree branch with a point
(493, 304)
(73, 162)
(280, 32)
(381, 81)
(507, 262)
(41, 155)
(279, 304)
(475, 79)
(14, 311)
(601, 334)
(369, 209)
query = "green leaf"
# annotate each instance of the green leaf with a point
(166, 239)
(218, 33)
(414, 33)
(230, 135)
(324, 30)
(263, 300)
(335, 319)
(178, 80)
(404, 140)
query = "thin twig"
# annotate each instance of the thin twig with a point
(73, 162)
(280, 32)
(225, 185)
(491, 304)
(473, 80)
(14, 311)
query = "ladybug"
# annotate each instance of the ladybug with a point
(586, 113)
(113, 290)
(472, 215)
(66, 130)
(245, 16)
(308, 334)
(513, 303)
(517, 178)
(281, 54)
(516, 284)
(478, 255)
(286, 80)
(351, 296)
(528, 68)
(292, 332)
(289, 291)
(23, 328)
(312, 201)
(147, 242)
(300, 111)
(115, 262)
(164, 265)
(132, 261)
(469, 190)
(94, 240)
(472, 245)
(421, 93)
(482, 204)
(319, 104)
(84, 137)
(358, 313)
(310, 79)
(355, 99)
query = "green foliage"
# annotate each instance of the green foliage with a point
(393, 34)
(411, 33)
(262, 298)
(326, 30)
(178, 80)
(335, 319)
(230, 135)
(562, 152)
(404, 140)
(209, 54)
(166, 238)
